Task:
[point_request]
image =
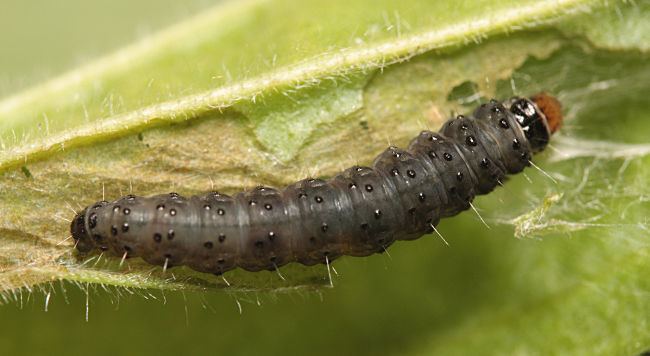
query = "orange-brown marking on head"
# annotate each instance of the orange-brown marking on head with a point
(551, 108)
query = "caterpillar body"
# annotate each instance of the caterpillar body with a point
(358, 212)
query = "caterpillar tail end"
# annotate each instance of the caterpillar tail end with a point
(551, 108)
(83, 243)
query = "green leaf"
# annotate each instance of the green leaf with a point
(247, 94)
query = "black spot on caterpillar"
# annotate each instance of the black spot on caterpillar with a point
(358, 212)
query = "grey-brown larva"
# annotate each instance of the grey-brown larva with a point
(358, 212)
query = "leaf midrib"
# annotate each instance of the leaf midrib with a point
(307, 73)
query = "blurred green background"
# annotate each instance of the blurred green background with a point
(408, 302)
(41, 38)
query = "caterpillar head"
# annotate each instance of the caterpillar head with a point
(80, 234)
(539, 117)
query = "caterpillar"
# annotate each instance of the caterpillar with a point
(358, 212)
